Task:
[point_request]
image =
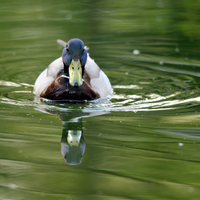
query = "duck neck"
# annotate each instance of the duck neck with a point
(66, 70)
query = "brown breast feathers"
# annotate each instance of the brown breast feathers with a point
(60, 89)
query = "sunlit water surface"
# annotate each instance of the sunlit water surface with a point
(140, 143)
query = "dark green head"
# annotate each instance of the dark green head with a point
(74, 59)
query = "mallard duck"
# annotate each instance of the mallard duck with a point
(73, 76)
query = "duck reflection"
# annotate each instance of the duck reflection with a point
(72, 142)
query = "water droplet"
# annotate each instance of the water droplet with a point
(12, 186)
(161, 62)
(177, 50)
(136, 52)
(180, 144)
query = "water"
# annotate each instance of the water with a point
(143, 143)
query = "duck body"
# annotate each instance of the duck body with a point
(60, 89)
(73, 76)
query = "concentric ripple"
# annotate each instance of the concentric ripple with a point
(121, 100)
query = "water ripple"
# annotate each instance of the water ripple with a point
(119, 101)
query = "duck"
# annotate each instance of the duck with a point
(74, 76)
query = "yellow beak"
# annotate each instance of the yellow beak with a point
(74, 137)
(75, 73)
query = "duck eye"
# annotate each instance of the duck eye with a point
(67, 50)
(83, 51)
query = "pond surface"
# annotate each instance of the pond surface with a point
(143, 142)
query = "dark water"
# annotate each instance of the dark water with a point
(143, 143)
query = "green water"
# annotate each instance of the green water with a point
(143, 143)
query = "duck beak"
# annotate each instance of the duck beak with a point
(75, 73)
(74, 137)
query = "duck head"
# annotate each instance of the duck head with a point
(74, 59)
